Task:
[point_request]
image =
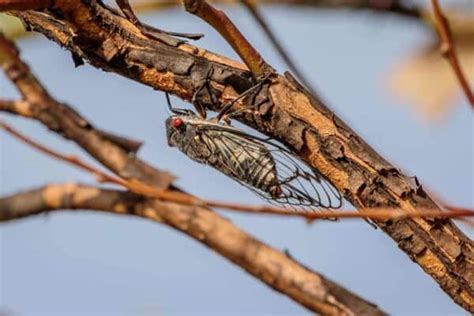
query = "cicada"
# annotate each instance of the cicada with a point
(260, 164)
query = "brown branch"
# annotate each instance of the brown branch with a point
(448, 50)
(19, 73)
(221, 23)
(60, 118)
(255, 12)
(372, 213)
(280, 272)
(291, 115)
(397, 7)
(15, 107)
(6, 5)
(380, 7)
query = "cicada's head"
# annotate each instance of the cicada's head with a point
(178, 128)
(175, 130)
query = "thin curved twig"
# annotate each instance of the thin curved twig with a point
(221, 23)
(185, 199)
(256, 14)
(448, 50)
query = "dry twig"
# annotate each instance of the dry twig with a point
(448, 50)
(185, 199)
(252, 8)
(221, 23)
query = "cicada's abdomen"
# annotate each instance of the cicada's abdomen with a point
(247, 161)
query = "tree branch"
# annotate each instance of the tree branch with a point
(15, 107)
(397, 7)
(115, 152)
(221, 23)
(291, 115)
(277, 270)
(6, 5)
(281, 273)
(254, 11)
(448, 50)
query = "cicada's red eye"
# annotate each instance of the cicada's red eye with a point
(177, 122)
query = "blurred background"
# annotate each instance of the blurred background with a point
(372, 69)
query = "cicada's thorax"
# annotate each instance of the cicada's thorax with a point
(255, 167)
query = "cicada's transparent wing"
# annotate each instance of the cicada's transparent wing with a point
(238, 156)
(301, 187)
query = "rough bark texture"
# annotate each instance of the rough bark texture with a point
(277, 270)
(290, 115)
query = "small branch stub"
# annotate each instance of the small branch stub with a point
(220, 22)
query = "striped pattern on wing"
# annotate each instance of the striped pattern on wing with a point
(260, 165)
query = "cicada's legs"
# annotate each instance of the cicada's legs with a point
(204, 85)
(253, 106)
(224, 113)
(176, 110)
(152, 32)
(195, 99)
